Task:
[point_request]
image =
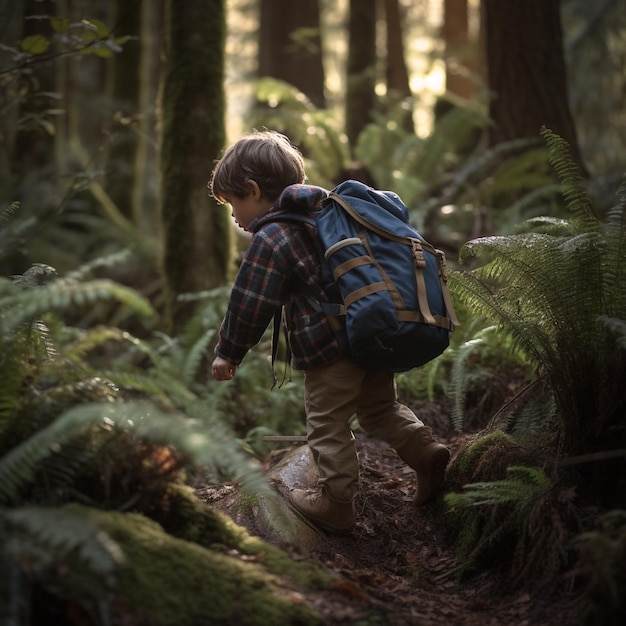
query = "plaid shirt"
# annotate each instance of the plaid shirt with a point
(280, 263)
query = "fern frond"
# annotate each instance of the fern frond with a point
(62, 295)
(485, 300)
(190, 437)
(614, 259)
(9, 211)
(40, 534)
(446, 140)
(522, 521)
(460, 380)
(576, 198)
(521, 487)
(158, 383)
(114, 259)
(40, 543)
(83, 342)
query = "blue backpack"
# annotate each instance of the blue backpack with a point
(396, 313)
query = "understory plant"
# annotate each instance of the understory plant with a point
(556, 289)
(78, 438)
(523, 521)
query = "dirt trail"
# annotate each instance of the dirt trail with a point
(395, 567)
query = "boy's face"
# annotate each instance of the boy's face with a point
(249, 207)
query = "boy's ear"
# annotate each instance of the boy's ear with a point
(254, 189)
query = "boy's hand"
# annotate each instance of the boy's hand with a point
(223, 369)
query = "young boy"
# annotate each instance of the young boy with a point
(261, 175)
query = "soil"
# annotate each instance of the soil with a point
(396, 568)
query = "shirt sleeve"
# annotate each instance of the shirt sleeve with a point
(259, 290)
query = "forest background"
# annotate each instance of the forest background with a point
(501, 125)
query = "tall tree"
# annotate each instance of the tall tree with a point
(526, 71)
(123, 106)
(398, 85)
(290, 46)
(361, 67)
(195, 232)
(459, 54)
(144, 192)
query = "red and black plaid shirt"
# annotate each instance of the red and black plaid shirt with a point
(280, 265)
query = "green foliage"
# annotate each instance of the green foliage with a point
(115, 567)
(118, 438)
(451, 184)
(553, 293)
(487, 366)
(284, 108)
(408, 164)
(600, 570)
(521, 523)
(87, 36)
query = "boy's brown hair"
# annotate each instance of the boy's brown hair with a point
(267, 157)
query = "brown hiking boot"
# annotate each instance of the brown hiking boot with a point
(429, 459)
(330, 515)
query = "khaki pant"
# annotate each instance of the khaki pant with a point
(334, 394)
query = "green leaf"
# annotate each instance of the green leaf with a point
(35, 44)
(59, 24)
(95, 29)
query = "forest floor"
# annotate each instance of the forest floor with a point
(395, 567)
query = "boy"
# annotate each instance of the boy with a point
(262, 175)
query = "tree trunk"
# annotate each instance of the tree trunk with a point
(458, 56)
(290, 47)
(123, 107)
(361, 67)
(398, 86)
(34, 148)
(526, 71)
(196, 233)
(144, 192)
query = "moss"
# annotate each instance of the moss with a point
(486, 458)
(169, 581)
(190, 519)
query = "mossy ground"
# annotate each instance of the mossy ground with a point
(168, 581)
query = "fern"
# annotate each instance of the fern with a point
(520, 489)
(550, 292)
(67, 529)
(190, 437)
(62, 295)
(523, 517)
(68, 540)
(288, 110)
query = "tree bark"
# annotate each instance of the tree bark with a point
(196, 232)
(398, 85)
(123, 107)
(526, 71)
(290, 46)
(144, 192)
(455, 33)
(361, 67)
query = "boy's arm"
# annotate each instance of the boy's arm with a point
(260, 288)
